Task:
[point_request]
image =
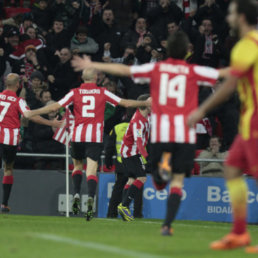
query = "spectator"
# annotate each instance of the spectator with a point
(26, 22)
(128, 56)
(67, 11)
(11, 35)
(31, 91)
(211, 10)
(159, 16)
(31, 32)
(136, 36)
(105, 30)
(29, 63)
(43, 142)
(172, 27)
(91, 8)
(45, 96)
(125, 11)
(147, 5)
(42, 16)
(82, 44)
(144, 51)
(57, 39)
(62, 78)
(207, 48)
(213, 152)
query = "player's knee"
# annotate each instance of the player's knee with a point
(8, 169)
(232, 173)
(142, 179)
(130, 181)
(177, 181)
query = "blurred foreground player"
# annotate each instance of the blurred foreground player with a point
(174, 93)
(11, 107)
(243, 154)
(89, 102)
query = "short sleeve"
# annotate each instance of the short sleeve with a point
(67, 99)
(206, 76)
(23, 106)
(137, 130)
(111, 98)
(241, 60)
(142, 73)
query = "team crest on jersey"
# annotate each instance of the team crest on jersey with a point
(139, 133)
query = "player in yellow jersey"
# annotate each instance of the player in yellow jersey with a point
(243, 154)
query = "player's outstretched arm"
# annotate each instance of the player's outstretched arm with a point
(44, 110)
(53, 123)
(134, 103)
(222, 94)
(224, 72)
(81, 63)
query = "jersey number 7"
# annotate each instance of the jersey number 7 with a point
(173, 88)
(5, 106)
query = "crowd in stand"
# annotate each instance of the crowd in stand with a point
(40, 44)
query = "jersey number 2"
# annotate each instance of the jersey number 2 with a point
(5, 106)
(173, 88)
(88, 106)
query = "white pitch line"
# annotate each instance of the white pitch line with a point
(95, 246)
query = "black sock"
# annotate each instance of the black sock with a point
(173, 204)
(6, 193)
(92, 185)
(77, 181)
(132, 192)
(137, 210)
(7, 187)
(125, 191)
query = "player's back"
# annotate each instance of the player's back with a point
(244, 65)
(89, 102)
(11, 107)
(138, 127)
(174, 91)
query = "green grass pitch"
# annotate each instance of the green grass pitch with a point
(54, 237)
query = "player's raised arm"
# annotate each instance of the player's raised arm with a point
(81, 63)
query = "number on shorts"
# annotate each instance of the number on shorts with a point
(89, 105)
(173, 88)
(5, 106)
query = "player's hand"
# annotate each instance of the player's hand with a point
(149, 100)
(27, 114)
(195, 117)
(144, 153)
(58, 123)
(81, 63)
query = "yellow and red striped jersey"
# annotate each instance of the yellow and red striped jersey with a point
(244, 65)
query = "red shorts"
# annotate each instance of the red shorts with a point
(243, 154)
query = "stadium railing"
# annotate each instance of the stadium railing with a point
(102, 158)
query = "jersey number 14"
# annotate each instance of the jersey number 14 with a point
(172, 88)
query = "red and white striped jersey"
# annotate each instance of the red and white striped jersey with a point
(11, 107)
(89, 102)
(174, 91)
(139, 127)
(60, 133)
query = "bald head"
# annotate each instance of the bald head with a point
(12, 81)
(89, 75)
